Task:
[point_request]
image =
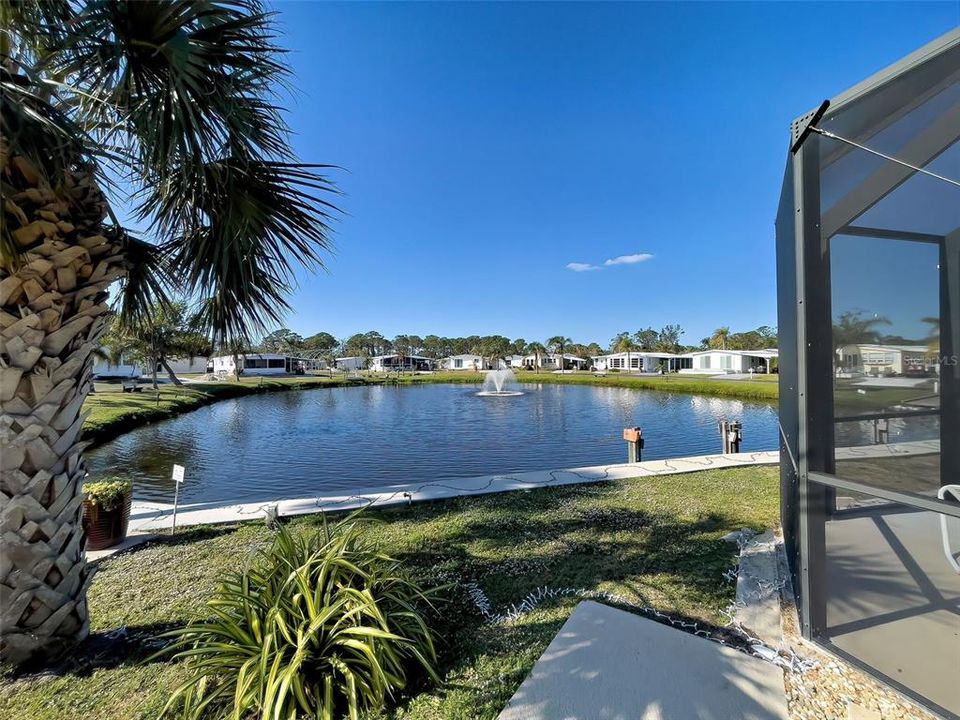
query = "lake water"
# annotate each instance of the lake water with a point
(343, 440)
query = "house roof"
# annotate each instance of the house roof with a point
(393, 355)
(259, 356)
(887, 348)
(766, 352)
(636, 353)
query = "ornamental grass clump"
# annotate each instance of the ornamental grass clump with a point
(107, 494)
(320, 625)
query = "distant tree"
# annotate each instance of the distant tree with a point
(495, 348)
(436, 347)
(282, 340)
(356, 346)
(165, 331)
(718, 341)
(668, 339)
(624, 343)
(320, 342)
(375, 344)
(518, 347)
(933, 339)
(538, 350)
(558, 344)
(646, 339)
(593, 349)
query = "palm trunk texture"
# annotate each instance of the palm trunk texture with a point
(53, 309)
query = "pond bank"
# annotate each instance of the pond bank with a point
(112, 412)
(147, 517)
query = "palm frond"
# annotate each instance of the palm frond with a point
(186, 79)
(149, 280)
(180, 98)
(241, 227)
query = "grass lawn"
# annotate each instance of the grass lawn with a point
(655, 541)
(761, 387)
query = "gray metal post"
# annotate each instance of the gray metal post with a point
(635, 442)
(881, 431)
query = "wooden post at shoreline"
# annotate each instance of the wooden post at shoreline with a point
(635, 442)
(731, 435)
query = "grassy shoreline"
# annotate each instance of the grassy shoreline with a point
(651, 541)
(113, 412)
(760, 388)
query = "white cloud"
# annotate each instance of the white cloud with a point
(581, 267)
(629, 259)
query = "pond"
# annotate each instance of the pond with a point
(342, 440)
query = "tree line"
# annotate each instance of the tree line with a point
(667, 339)
(173, 332)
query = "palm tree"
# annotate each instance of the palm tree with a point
(168, 108)
(933, 340)
(852, 328)
(718, 341)
(538, 350)
(623, 343)
(557, 344)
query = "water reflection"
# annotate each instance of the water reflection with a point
(339, 440)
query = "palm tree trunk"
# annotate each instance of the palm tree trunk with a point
(170, 373)
(53, 310)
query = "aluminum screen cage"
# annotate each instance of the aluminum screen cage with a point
(868, 266)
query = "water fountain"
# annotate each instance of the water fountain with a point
(499, 383)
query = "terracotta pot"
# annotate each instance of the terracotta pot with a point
(106, 528)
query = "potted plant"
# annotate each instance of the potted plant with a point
(106, 512)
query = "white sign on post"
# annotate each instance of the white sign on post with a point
(178, 475)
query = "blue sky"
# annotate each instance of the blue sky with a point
(486, 147)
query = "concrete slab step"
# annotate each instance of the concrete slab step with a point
(612, 665)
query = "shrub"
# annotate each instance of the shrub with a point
(107, 494)
(318, 625)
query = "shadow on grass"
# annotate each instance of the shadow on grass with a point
(101, 651)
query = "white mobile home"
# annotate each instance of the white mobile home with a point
(350, 363)
(552, 361)
(886, 360)
(641, 362)
(510, 362)
(466, 361)
(722, 362)
(127, 368)
(405, 363)
(257, 364)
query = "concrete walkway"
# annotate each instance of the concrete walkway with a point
(611, 665)
(146, 517)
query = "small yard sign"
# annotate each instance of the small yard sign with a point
(178, 475)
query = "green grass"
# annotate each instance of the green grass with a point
(762, 387)
(654, 541)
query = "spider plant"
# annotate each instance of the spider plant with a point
(320, 625)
